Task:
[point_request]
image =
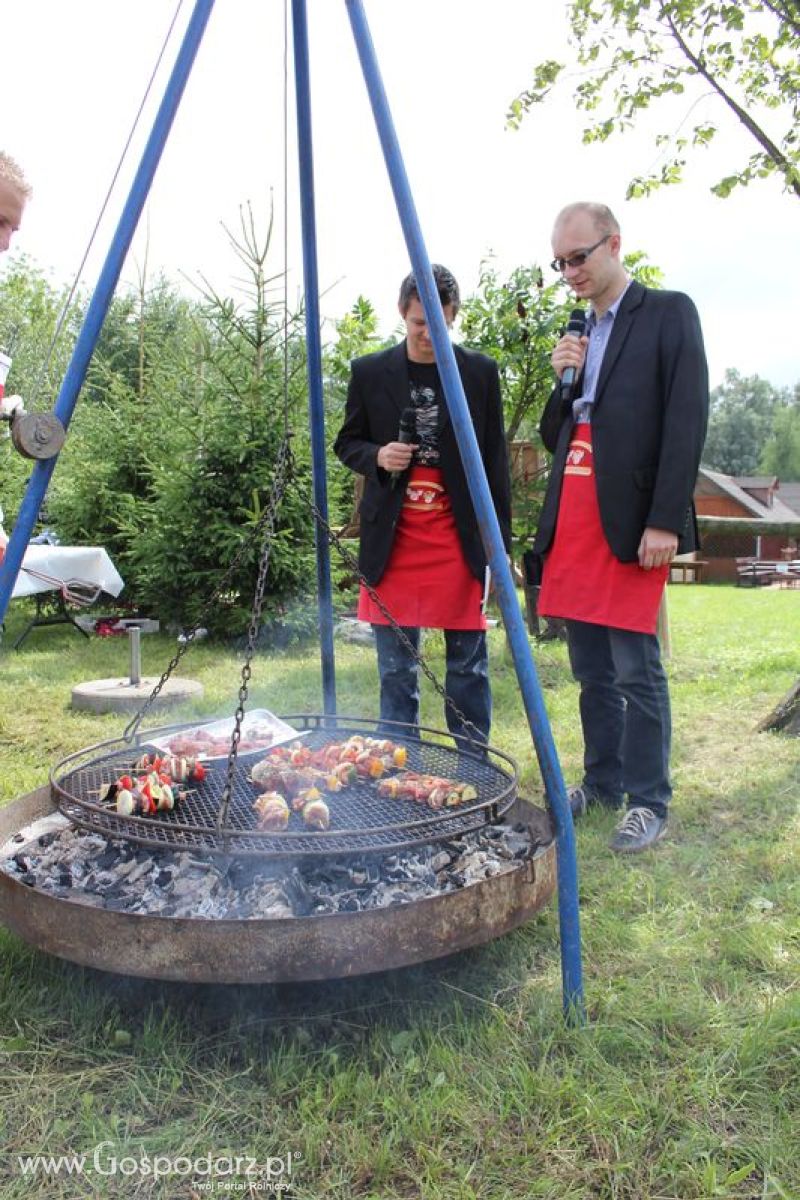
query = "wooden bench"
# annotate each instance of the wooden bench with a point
(761, 572)
(691, 570)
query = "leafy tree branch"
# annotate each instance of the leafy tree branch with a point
(635, 52)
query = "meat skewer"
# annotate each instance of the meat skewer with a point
(433, 790)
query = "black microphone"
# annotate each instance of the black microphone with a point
(576, 328)
(406, 435)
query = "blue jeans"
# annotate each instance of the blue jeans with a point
(625, 713)
(466, 679)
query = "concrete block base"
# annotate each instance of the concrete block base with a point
(120, 695)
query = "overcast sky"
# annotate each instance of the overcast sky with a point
(73, 76)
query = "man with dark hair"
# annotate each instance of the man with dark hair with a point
(446, 287)
(626, 441)
(420, 547)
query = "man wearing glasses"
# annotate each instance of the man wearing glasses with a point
(626, 440)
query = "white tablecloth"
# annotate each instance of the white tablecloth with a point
(66, 564)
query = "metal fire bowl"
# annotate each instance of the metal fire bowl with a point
(362, 821)
(289, 950)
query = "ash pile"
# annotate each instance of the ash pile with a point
(55, 857)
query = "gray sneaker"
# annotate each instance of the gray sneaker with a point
(639, 829)
(582, 796)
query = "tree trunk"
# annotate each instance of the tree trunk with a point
(786, 717)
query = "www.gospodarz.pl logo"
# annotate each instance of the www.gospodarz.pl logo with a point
(209, 1173)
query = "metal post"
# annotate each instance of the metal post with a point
(316, 407)
(102, 296)
(135, 635)
(662, 628)
(569, 920)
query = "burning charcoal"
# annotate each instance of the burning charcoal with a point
(399, 874)
(114, 888)
(185, 886)
(298, 894)
(124, 869)
(241, 873)
(279, 911)
(337, 874)
(125, 877)
(195, 898)
(519, 844)
(142, 868)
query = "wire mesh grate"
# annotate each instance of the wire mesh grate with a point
(362, 820)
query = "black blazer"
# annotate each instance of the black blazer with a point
(376, 397)
(648, 425)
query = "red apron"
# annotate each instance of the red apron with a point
(582, 580)
(427, 583)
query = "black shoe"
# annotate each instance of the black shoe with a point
(582, 796)
(639, 829)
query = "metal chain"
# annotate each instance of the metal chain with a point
(280, 480)
(351, 562)
(266, 520)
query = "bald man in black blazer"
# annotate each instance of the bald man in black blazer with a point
(642, 392)
(648, 424)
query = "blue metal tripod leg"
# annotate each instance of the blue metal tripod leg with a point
(487, 520)
(316, 407)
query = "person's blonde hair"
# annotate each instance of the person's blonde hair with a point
(12, 173)
(603, 219)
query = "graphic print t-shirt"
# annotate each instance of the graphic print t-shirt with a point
(425, 395)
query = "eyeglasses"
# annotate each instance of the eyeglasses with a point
(577, 260)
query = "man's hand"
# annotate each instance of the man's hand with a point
(396, 456)
(657, 548)
(570, 352)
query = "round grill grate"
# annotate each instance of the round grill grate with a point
(362, 821)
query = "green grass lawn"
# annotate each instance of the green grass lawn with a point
(457, 1079)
